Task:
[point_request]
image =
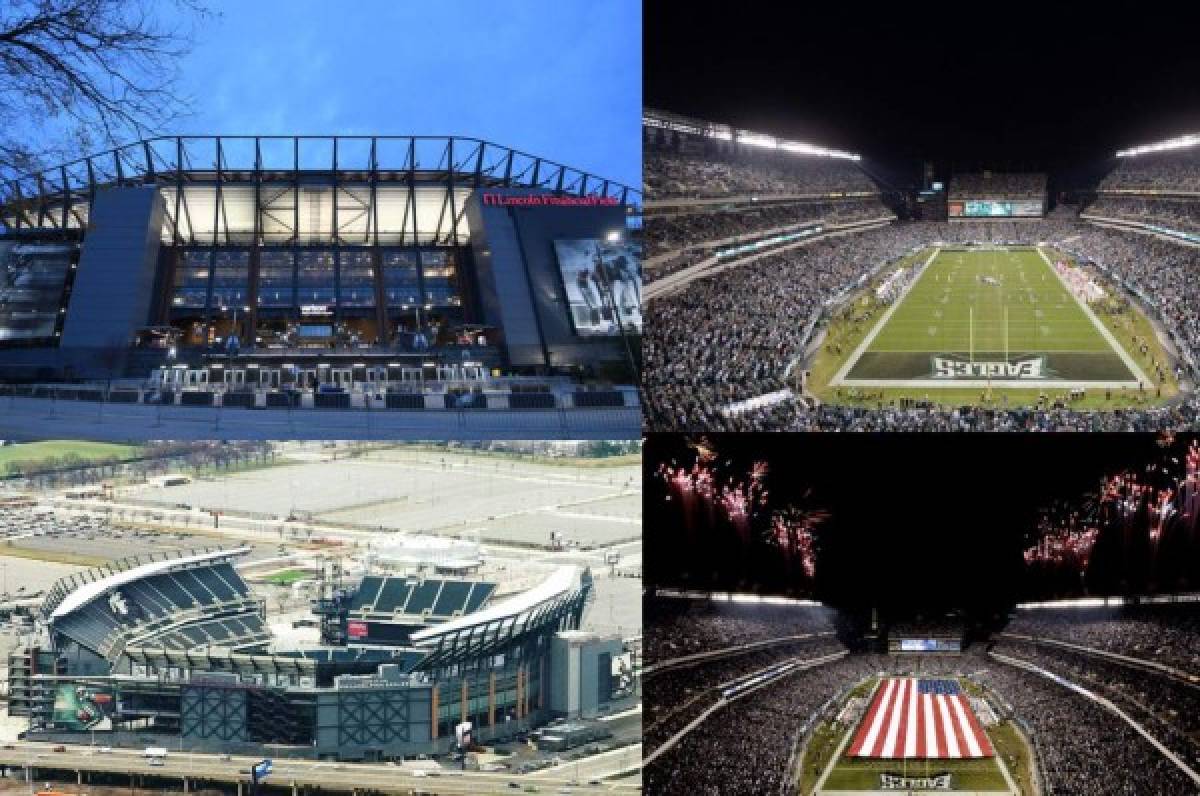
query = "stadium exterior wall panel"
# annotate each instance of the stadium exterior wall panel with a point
(117, 269)
(520, 284)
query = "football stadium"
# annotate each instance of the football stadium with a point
(811, 632)
(309, 633)
(828, 299)
(387, 272)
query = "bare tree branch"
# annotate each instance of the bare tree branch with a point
(80, 74)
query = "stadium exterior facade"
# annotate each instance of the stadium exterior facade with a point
(173, 650)
(417, 258)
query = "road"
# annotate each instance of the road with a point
(327, 775)
(37, 418)
(605, 764)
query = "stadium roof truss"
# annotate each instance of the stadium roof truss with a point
(546, 608)
(290, 190)
(85, 586)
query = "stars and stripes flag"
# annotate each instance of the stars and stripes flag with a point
(920, 718)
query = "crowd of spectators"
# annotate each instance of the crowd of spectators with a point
(1181, 215)
(1169, 170)
(672, 175)
(731, 336)
(1168, 709)
(745, 747)
(674, 697)
(997, 185)
(1166, 633)
(927, 628)
(1084, 747)
(701, 225)
(674, 627)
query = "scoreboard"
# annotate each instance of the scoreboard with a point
(992, 208)
(925, 645)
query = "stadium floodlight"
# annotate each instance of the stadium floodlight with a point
(757, 139)
(798, 148)
(665, 120)
(1182, 142)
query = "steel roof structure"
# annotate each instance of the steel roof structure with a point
(555, 604)
(281, 190)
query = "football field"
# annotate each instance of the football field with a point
(852, 770)
(994, 317)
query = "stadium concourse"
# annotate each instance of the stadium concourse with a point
(766, 697)
(754, 247)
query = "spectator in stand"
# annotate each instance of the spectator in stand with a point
(731, 336)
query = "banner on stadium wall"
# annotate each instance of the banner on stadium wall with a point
(83, 707)
(356, 629)
(598, 276)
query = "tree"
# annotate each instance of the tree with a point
(76, 75)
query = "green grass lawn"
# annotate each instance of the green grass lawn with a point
(57, 448)
(287, 577)
(989, 306)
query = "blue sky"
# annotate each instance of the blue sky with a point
(556, 78)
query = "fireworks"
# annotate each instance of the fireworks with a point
(714, 493)
(1134, 507)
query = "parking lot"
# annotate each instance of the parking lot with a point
(500, 499)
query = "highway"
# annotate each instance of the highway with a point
(605, 764)
(38, 418)
(191, 768)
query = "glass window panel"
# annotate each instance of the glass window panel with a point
(316, 214)
(441, 282)
(354, 213)
(191, 280)
(357, 279)
(277, 212)
(31, 289)
(400, 280)
(315, 278)
(197, 210)
(394, 223)
(231, 278)
(275, 279)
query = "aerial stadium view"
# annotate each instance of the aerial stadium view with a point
(392, 617)
(826, 250)
(814, 626)
(460, 284)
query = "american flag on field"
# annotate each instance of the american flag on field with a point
(920, 718)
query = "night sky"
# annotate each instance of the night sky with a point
(982, 85)
(916, 522)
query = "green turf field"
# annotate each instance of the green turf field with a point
(969, 775)
(992, 317)
(287, 577)
(59, 448)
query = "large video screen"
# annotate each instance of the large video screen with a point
(599, 276)
(32, 278)
(927, 645)
(989, 208)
